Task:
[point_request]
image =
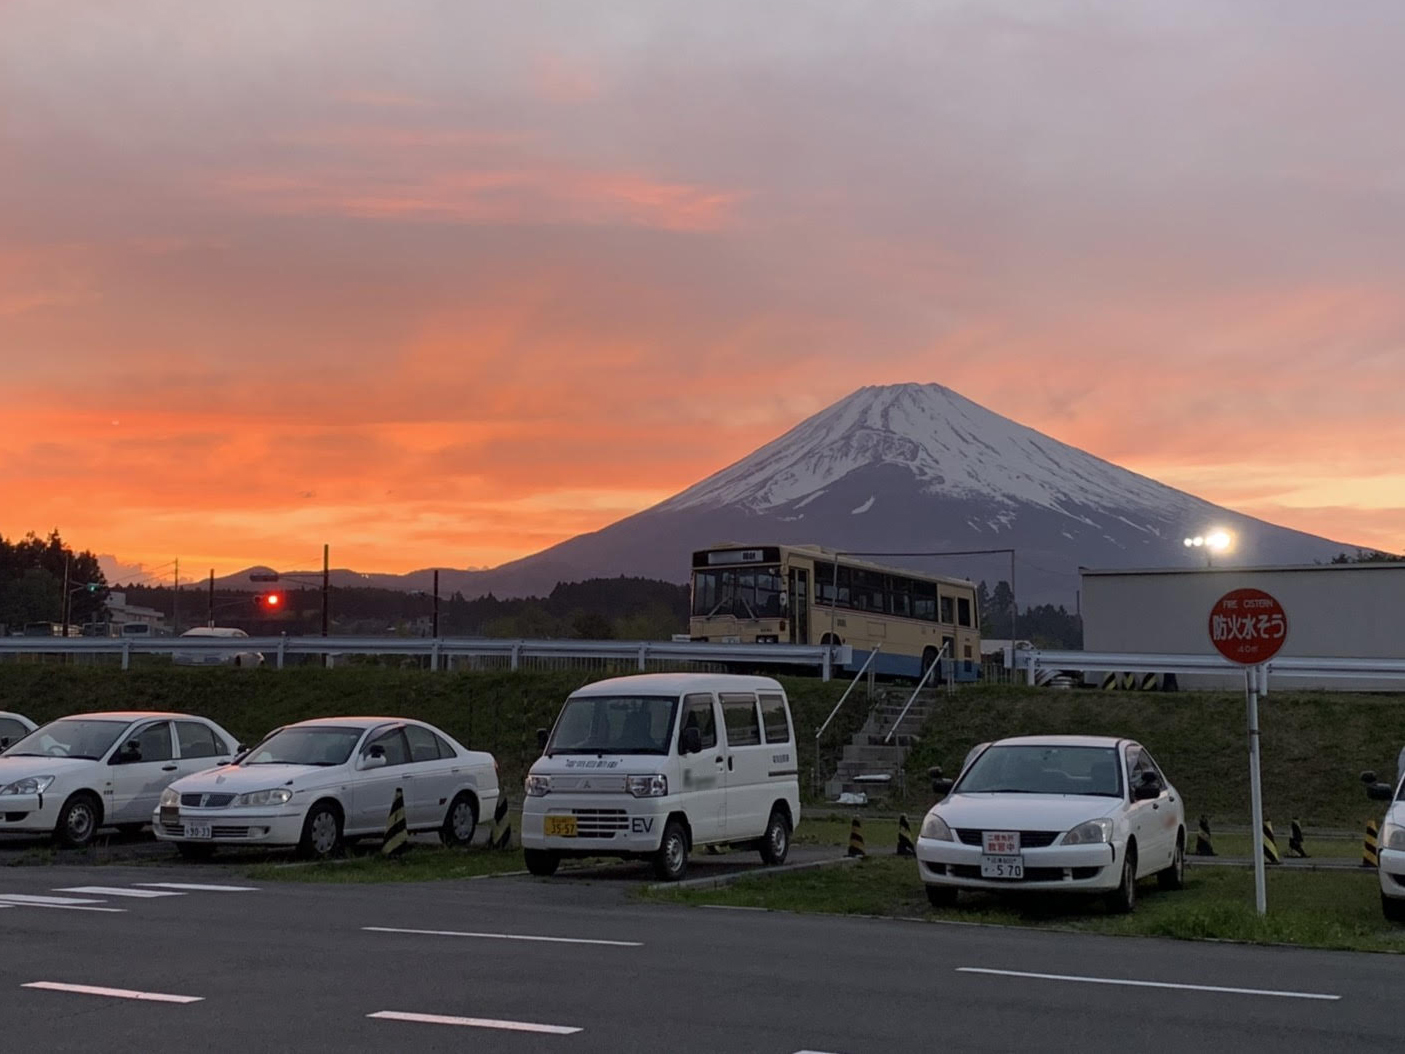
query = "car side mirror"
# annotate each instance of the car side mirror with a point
(1380, 792)
(373, 760)
(1146, 791)
(4, 742)
(941, 786)
(542, 735)
(130, 753)
(1368, 777)
(691, 741)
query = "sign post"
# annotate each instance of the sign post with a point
(1248, 626)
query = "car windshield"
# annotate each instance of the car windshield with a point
(610, 724)
(69, 737)
(305, 746)
(1036, 769)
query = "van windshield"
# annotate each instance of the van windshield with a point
(614, 724)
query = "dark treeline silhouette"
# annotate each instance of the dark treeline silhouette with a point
(32, 575)
(1044, 625)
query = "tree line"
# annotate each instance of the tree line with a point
(44, 580)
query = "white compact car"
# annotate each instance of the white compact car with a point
(1390, 842)
(1063, 813)
(13, 728)
(82, 772)
(653, 766)
(312, 784)
(228, 654)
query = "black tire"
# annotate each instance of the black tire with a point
(195, 850)
(130, 830)
(1123, 899)
(941, 896)
(460, 822)
(775, 843)
(1393, 908)
(321, 832)
(542, 862)
(671, 859)
(1173, 877)
(78, 820)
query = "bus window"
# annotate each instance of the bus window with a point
(963, 611)
(924, 601)
(948, 610)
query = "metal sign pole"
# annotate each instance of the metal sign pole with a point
(1251, 687)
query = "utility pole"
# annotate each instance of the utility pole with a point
(176, 600)
(436, 603)
(212, 598)
(63, 608)
(326, 583)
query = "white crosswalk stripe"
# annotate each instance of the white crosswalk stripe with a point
(198, 888)
(118, 891)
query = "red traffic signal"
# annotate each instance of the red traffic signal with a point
(269, 601)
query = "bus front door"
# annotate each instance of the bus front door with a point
(799, 605)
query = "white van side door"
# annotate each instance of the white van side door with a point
(748, 762)
(704, 775)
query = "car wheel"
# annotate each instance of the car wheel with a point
(941, 896)
(460, 822)
(129, 830)
(1393, 908)
(1123, 899)
(78, 820)
(1174, 876)
(671, 860)
(195, 850)
(321, 832)
(541, 862)
(775, 843)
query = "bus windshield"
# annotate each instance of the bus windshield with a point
(747, 592)
(610, 724)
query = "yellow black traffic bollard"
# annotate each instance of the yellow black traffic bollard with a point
(501, 835)
(396, 837)
(1202, 839)
(905, 846)
(1295, 841)
(1369, 855)
(1270, 846)
(856, 838)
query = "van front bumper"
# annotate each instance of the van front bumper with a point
(606, 824)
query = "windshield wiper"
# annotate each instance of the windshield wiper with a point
(27, 754)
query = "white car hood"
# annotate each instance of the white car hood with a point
(587, 765)
(240, 779)
(18, 768)
(1023, 812)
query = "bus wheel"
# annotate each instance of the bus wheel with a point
(830, 640)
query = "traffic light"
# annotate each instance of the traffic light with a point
(269, 603)
(93, 587)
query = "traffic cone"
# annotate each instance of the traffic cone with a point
(1369, 855)
(1295, 840)
(856, 838)
(1270, 846)
(905, 846)
(1202, 839)
(501, 835)
(397, 839)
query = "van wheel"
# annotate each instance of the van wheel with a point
(541, 862)
(775, 843)
(671, 860)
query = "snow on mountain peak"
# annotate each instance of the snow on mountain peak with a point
(951, 445)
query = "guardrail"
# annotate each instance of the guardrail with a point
(1033, 661)
(514, 652)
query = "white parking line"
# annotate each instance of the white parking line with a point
(197, 887)
(1151, 984)
(474, 1022)
(113, 993)
(120, 891)
(505, 937)
(23, 900)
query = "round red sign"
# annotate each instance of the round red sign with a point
(1248, 626)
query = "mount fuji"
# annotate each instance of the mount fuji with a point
(914, 468)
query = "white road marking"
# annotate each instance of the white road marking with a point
(26, 898)
(198, 888)
(505, 937)
(113, 993)
(119, 891)
(1152, 984)
(64, 907)
(474, 1022)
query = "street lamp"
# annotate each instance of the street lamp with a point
(1217, 540)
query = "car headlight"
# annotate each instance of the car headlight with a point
(28, 785)
(935, 827)
(651, 786)
(277, 796)
(1094, 832)
(170, 797)
(538, 786)
(1393, 836)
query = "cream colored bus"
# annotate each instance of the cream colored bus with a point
(802, 594)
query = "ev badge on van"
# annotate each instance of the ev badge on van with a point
(641, 824)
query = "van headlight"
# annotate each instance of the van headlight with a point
(277, 796)
(170, 797)
(1094, 832)
(935, 828)
(654, 785)
(1392, 835)
(537, 786)
(28, 785)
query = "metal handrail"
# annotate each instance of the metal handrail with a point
(815, 772)
(936, 663)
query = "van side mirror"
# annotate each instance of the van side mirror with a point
(542, 735)
(1380, 792)
(1368, 777)
(691, 741)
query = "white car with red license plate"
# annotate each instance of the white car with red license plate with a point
(85, 771)
(1054, 813)
(312, 784)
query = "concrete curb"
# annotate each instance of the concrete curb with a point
(1326, 864)
(717, 881)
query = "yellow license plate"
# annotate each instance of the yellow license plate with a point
(560, 826)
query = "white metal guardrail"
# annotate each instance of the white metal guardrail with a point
(276, 649)
(1034, 661)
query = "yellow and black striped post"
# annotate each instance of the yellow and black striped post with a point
(501, 835)
(1270, 846)
(1295, 841)
(1369, 855)
(397, 839)
(905, 846)
(856, 838)
(1202, 839)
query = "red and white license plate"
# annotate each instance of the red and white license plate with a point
(1000, 843)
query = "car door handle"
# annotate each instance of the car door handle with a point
(168, 768)
(718, 760)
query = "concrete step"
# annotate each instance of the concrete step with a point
(850, 769)
(891, 754)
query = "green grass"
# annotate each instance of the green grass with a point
(421, 863)
(1318, 909)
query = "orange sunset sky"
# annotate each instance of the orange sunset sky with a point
(441, 284)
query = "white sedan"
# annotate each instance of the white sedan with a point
(13, 727)
(1064, 813)
(1390, 856)
(315, 783)
(79, 773)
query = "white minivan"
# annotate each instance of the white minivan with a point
(653, 766)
